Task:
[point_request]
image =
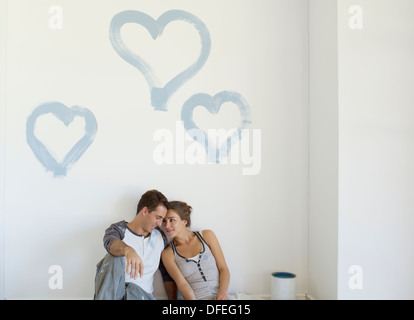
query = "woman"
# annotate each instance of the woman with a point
(194, 259)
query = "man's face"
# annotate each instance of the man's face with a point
(154, 218)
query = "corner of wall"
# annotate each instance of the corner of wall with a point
(3, 7)
(323, 149)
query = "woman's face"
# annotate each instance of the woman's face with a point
(173, 224)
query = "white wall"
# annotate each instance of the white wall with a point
(2, 140)
(323, 149)
(376, 148)
(361, 149)
(258, 49)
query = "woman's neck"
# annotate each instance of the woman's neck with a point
(184, 237)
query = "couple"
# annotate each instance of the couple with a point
(193, 262)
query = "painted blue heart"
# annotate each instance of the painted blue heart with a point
(66, 115)
(213, 105)
(159, 96)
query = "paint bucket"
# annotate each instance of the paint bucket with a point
(283, 286)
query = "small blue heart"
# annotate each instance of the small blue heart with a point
(159, 96)
(66, 115)
(213, 105)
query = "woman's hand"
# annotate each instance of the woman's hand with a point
(221, 296)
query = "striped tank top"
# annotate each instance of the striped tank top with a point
(200, 272)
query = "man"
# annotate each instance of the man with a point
(134, 250)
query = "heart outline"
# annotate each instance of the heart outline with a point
(66, 115)
(213, 105)
(159, 96)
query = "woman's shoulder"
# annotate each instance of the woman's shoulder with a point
(168, 251)
(207, 233)
(208, 236)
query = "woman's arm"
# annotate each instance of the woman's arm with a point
(175, 273)
(224, 272)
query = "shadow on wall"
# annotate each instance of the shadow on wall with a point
(72, 272)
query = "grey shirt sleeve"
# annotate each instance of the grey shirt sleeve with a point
(115, 231)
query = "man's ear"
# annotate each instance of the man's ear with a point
(144, 211)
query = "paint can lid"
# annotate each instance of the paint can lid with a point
(283, 275)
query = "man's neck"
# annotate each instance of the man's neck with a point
(136, 227)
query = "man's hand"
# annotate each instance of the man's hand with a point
(134, 264)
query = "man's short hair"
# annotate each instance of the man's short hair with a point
(152, 199)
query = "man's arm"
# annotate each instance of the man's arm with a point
(114, 245)
(118, 248)
(134, 263)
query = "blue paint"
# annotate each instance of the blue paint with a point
(159, 96)
(213, 105)
(66, 115)
(284, 275)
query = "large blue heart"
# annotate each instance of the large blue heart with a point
(159, 96)
(213, 105)
(66, 115)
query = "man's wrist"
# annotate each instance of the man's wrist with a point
(127, 249)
